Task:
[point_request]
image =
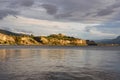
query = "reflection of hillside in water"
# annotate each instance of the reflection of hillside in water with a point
(6, 54)
(2, 54)
(47, 54)
(41, 54)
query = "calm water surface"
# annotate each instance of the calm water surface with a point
(59, 63)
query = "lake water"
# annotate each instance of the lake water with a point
(59, 63)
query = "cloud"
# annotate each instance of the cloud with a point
(46, 27)
(112, 12)
(99, 33)
(110, 9)
(51, 9)
(26, 2)
(63, 15)
(116, 4)
(6, 12)
(65, 10)
(16, 30)
(82, 18)
(78, 9)
(109, 27)
(21, 3)
(105, 12)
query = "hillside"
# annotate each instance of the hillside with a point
(60, 39)
(10, 33)
(10, 38)
(110, 41)
(116, 40)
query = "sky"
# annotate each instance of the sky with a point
(86, 19)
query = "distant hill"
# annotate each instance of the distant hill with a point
(10, 33)
(110, 41)
(116, 40)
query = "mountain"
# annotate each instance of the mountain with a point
(10, 33)
(110, 41)
(116, 40)
(10, 38)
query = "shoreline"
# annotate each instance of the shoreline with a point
(59, 47)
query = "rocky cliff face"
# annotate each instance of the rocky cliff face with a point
(17, 40)
(27, 41)
(5, 39)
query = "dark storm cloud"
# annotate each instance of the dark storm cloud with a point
(63, 15)
(79, 7)
(83, 10)
(21, 3)
(27, 2)
(6, 12)
(51, 9)
(116, 4)
(70, 10)
(12, 7)
(105, 12)
(109, 9)
(73, 6)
